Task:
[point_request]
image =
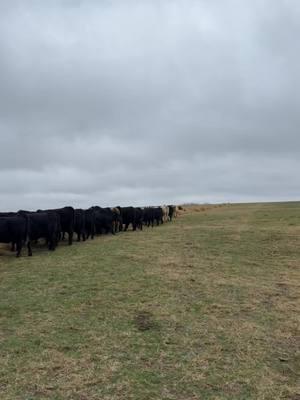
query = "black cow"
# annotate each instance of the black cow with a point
(128, 215)
(79, 224)
(107, 220)
(158, 215)
(15, 229)
(90, 228)
(104, 220)
(43, 225)
(139, 217)
(67, 220)
(148, 217)
(8, 214)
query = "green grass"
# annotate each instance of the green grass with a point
(207, 307)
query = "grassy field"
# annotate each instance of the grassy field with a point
(207, 307)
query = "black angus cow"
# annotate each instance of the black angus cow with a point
(139, 217)
(8, 214)
(79, 224)
(90, 228)
(158, 215)
(128, 215)
(43, 225)
(104, 220)
(148, 217)
(67, 220)
(107, 220)
(15, 229)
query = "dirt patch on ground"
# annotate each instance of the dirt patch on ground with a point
(144, 321)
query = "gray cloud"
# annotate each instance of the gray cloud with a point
(127, 102)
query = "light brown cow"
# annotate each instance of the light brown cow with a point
(165, 210)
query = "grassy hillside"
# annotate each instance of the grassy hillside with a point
(207, 307)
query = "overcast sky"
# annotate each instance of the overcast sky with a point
(148, 102)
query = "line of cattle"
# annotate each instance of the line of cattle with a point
(24, 227)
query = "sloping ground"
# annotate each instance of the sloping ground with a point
(207, 307)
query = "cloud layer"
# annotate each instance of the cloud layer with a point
(129, 102)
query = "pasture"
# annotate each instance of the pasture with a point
(206, 307)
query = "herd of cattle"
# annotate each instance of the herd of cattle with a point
(24, 227)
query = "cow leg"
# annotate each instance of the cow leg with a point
(51, 244)
(54, 243)
(12, 246)
(29, 248)
(19, 248)
(70, 238)
(56, 240)
(113, 228)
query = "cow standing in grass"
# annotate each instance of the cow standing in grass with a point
(90, 227)
(139, 217)
(172, 212)
(117, 219)
(128, 215)
(158, 215)
(104, 220)
(148, 217)
(165, 210)
(15, 229)
(67, 220)
(79, 224)
(43, 225)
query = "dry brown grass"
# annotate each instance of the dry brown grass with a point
(195, 208)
